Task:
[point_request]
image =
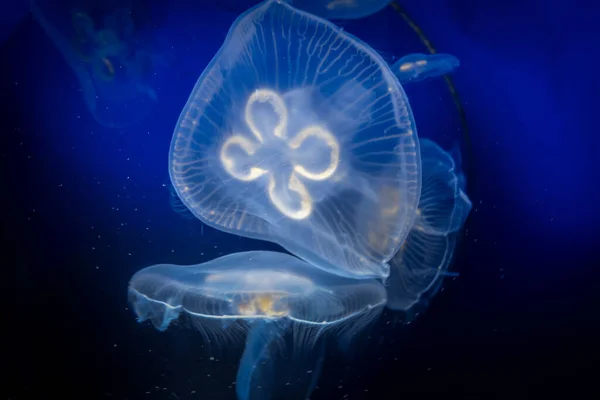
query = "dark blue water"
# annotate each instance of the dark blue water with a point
(85, 206)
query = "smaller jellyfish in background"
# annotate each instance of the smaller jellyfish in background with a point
(424, 258)
(418, 67)
(342, 9)
(286, 305)
(113, 61)
(290, 135)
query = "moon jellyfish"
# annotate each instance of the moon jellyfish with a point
(108, 56)
(418, 67)
(290, 135)
(424, 258)
(342, 9)
(287, 306)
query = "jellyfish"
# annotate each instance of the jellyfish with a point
(286, 306)
(342, 9)
(418, 67)
(328, 9)
(290, 135)
(109, 58)
(424, 258)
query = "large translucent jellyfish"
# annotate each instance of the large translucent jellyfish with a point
(423, 259)
(108, 57)
(286, 304)
(342, 9)
(291, 134)
(418, 67)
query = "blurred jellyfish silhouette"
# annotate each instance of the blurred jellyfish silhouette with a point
(291, 133)
(342, 9)
(421, 263)
(418, 67)
(111, 56)
(287, 306)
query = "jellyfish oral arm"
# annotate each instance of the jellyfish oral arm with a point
(263, 373)
(251, 374)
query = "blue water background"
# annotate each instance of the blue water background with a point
(84, 207)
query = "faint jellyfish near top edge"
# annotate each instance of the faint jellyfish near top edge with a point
(113, 60)
(290, 135)
(329, 9)
(423, 260)
(342, 9)
(287, 306)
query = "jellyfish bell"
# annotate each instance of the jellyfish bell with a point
(444, 206)
(418, 67)
(417, 272)
(291, 133)
(286, 305)
(425, 257)
(255, 285)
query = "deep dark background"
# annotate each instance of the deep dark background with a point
(84, 207)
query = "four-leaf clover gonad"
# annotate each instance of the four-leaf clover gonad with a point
(282, 147)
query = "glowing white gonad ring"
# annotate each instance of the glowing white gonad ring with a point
(251, 145)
